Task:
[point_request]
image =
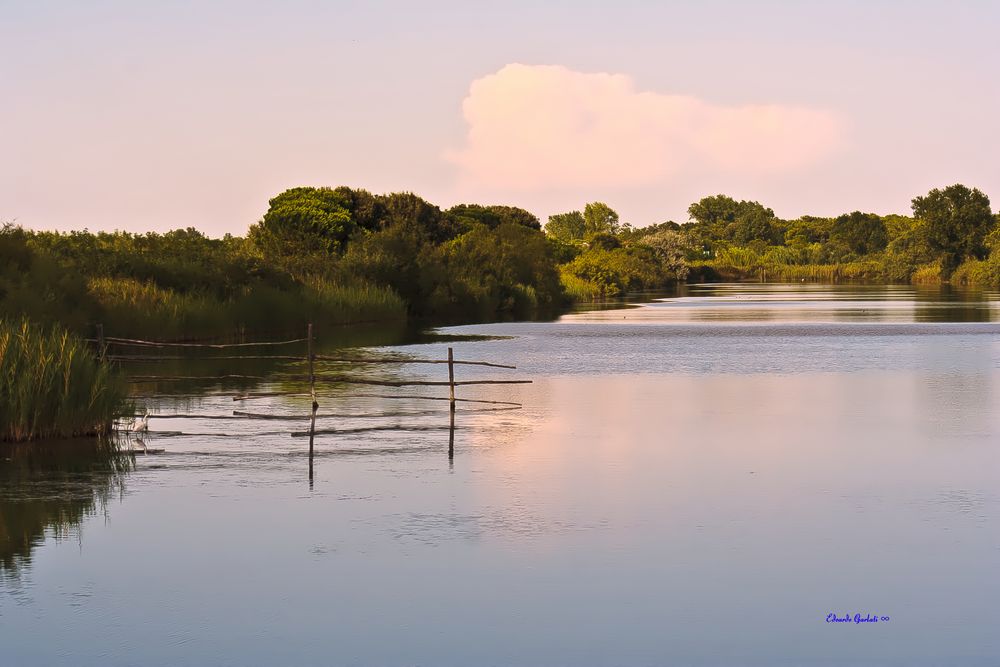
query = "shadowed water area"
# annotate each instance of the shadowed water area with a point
(701, 479)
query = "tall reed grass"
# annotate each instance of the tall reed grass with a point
(133, 308)
(52, 387)
(579, 289)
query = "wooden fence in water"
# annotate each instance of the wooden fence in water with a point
(106, 343)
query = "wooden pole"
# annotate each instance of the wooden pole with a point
(451, 378)
(100, 342)
(315, 405)
(451, 436)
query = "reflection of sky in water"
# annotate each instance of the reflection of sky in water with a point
(671, 493)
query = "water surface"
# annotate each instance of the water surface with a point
(698, 480)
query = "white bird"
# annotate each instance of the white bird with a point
(143, 425)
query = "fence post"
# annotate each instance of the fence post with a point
(312, 394)
(451, 378)
(100, 342)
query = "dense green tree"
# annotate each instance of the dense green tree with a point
(722, 217)
(957, 220)
(807, 230)
(567, 227)
(599, 218)
(303, 221)
(425, 219)
(494, 216)
(515, 216)
(859, 233)
(368, 211)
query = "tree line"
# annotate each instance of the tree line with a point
(951, 235)
(343, 255)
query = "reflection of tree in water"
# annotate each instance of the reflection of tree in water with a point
(47, 490)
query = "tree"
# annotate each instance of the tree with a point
(859, 233)
(515, 216)
(494, 216)
(368, 211)
(426, 219)
(304, 220)
(670, 249)
(567, 227)
(722, 217)
(599, 218)
(957, 220)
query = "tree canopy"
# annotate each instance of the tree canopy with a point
(957, 220)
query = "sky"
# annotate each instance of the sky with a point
(149, 116)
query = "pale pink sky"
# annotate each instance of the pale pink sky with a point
(151, 116)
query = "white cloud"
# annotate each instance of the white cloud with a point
(535, 127)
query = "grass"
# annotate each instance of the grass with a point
(52, 387)
(579, 289)
(746, 265)
(133, 308)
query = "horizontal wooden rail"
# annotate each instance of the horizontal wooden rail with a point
(164, 357)
(390, 360)
(179, 378)
(265, 394)
(362, 429)
(286, 357)
(434, 398)
(412, 383)
(213, 346)
(334, 415)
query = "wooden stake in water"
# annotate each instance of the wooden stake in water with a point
(451, 378)
(312, 394)
(451, 439)
(100, 342)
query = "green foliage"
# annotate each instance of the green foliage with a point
(957, 220)
(599, 218)
(302, 222)
(857, 233)
(604, 241)
(723, 218)
(670, 249)
(567, 227)
(52, 387)
(619, 270)
(493, 216)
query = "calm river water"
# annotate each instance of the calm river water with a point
(700, 480)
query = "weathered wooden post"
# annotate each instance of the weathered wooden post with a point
(451, 439)
(451, 378)
(312, 394)
(100, 342)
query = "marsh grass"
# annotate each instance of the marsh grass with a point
(134, 308)
(741, 264)
(51, 386)
(579, 289)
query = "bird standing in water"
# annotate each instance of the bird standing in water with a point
(139, 428)
(143, 425)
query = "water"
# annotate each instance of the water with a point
(700, 480)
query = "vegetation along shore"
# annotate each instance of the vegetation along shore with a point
(342, 256)
(345, 256)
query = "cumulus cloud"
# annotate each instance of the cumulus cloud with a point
(533, 127)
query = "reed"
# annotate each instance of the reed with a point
(579, 289)
(51, 386)
(133, 308)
